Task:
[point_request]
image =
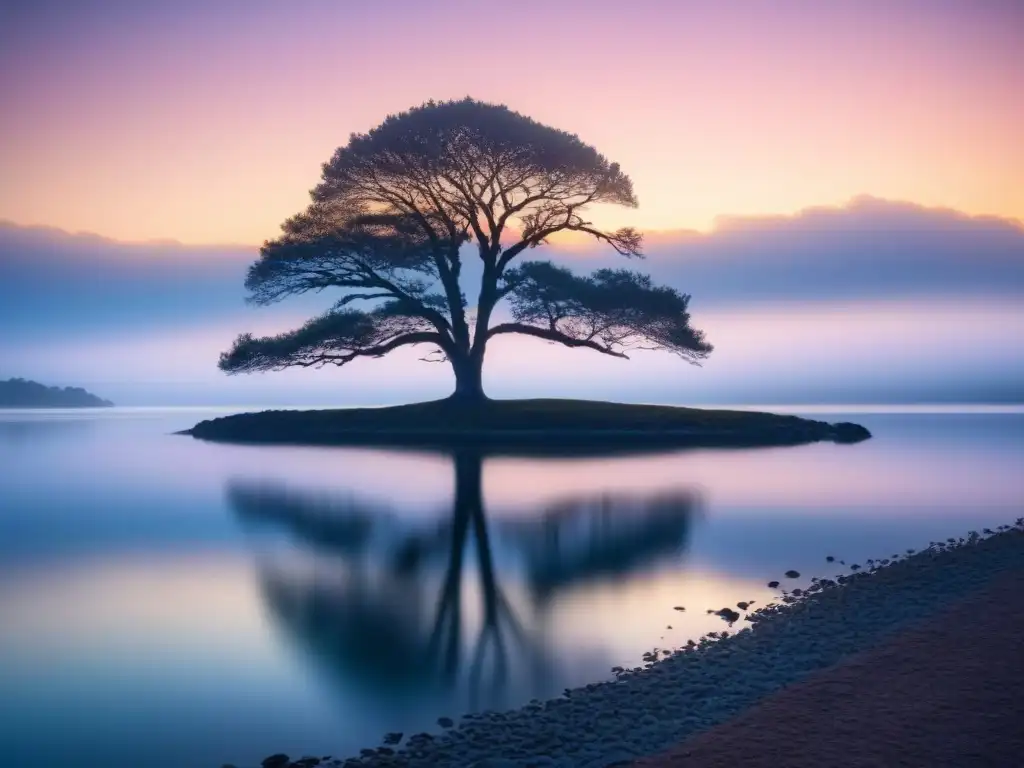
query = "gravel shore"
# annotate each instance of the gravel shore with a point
(648, 710)
(947, 692)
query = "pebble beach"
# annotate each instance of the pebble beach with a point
(689, 692)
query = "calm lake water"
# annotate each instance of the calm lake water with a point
(177, 604)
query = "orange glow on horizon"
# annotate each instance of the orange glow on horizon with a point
(178, 125)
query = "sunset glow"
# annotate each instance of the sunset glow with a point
(208, 122)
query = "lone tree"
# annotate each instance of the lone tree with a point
(388, 223)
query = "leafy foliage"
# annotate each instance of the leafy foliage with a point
(336, 337)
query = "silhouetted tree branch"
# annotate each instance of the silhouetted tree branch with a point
(610, 310)
(335, 338)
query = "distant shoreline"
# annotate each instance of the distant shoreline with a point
(22, 393)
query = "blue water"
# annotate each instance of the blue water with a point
(176, 604)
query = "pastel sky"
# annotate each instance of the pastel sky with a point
(853, 169)
(206, 122)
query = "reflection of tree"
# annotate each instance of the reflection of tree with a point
(355, 596)
(361, 613)
(322, 521)
(582, 540)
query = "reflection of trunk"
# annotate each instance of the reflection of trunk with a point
(470, 521)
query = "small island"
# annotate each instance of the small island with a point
(22, 393)
(394, 246)
(526, 426)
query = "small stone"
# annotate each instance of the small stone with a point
(743, 605)
(830, 559)
(679, 608)
(771, 585)
(279, 760)
(792, 574)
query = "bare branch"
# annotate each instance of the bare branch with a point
(550, 334)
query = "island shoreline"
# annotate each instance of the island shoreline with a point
(525, 425)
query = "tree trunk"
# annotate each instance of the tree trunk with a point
(469, 384)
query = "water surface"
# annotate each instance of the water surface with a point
(175, 603)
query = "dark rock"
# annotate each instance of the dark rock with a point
(792, 574)
(847, 432)
(771, 584)
(445, 722)
(679, 608)
(742, 605)
(279, 760)
(830, 559)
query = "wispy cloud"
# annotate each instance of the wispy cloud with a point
(868, 249)
(55, 282)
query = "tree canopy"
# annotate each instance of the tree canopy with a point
(393, 216)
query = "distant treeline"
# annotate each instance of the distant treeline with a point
(22, 393)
